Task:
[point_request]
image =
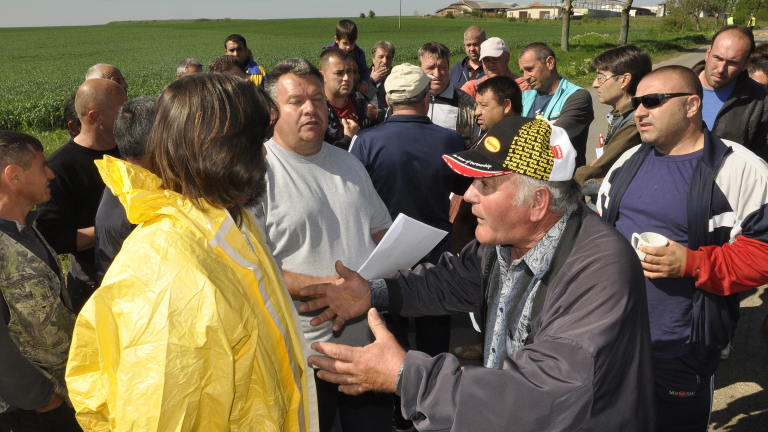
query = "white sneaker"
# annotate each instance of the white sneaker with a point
(726, 351)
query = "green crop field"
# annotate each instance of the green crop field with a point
(40, 67)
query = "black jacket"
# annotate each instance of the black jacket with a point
(334, 133)
(586, 364)
(744, 116)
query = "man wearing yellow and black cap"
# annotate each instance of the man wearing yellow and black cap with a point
(559, 293)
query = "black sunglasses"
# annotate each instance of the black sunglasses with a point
(654, 99)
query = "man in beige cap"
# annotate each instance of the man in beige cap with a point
(404, 157)
(494, 53)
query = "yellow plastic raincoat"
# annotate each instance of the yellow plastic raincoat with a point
(192, 329)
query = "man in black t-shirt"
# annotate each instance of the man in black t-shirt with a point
(67, 220)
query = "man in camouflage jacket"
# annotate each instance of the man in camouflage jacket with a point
(36, 318)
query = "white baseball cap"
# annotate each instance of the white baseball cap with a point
(493, 47)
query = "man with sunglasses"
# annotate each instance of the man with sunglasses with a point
(618, 70)
(735, 107)
(707, 196)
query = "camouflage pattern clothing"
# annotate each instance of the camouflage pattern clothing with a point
(41, 324)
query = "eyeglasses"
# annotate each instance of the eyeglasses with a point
(602, 79)
(654, 99)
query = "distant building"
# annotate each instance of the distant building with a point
(467, 7)
(535, 10)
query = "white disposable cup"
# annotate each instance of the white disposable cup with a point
(647, 239)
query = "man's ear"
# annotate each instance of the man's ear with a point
(94, 116)
(693, 105)
(9, 176)
(507, 106)
(551, 63)
(540, 204)
(625, 80)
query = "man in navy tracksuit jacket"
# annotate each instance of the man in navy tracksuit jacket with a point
(708, 197)
(404, 157)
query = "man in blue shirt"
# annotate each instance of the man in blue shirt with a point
(735, 107)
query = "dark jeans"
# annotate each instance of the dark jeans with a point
(683, 398)
(61, 419)
(369, 412)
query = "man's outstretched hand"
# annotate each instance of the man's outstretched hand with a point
(374, 367)
(347, 298)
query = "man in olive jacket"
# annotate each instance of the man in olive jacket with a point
(618, 71)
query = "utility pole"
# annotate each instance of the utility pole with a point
(400, 17)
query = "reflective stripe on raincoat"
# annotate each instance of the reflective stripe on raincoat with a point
(191, 329)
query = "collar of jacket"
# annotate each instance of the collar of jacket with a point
(623, 110)
(562, 252)
(140, 193)
(699, 192)
(409, 118)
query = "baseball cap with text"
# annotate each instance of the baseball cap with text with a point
(520, 145)
(406, 81)
(493, 47)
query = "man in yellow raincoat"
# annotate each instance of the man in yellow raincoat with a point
(192, 328)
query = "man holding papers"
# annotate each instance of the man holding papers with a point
(320, 206)
(404, 157)
(559, 293)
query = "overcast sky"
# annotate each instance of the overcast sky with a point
(43, 13)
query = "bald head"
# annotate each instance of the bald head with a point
(474, 36)
(97, 102)
(681, 79)
(474, 32)
(107, 71)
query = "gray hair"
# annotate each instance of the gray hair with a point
(300, 67)
(435, 50)
(565, 195)
(95, 71)
(132, 125)
(181, 69)
(410, 102)
(384, 45)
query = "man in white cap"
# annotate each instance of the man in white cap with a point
(559, 292)
(404, 157)
(494, 53)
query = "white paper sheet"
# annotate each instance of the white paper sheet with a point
(406, 242)
(599, 152)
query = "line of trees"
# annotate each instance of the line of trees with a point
(680, 11)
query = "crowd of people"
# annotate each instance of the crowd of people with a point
(214, 232)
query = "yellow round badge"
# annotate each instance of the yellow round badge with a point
(492, 144)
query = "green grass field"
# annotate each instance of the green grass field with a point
(40, 67)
